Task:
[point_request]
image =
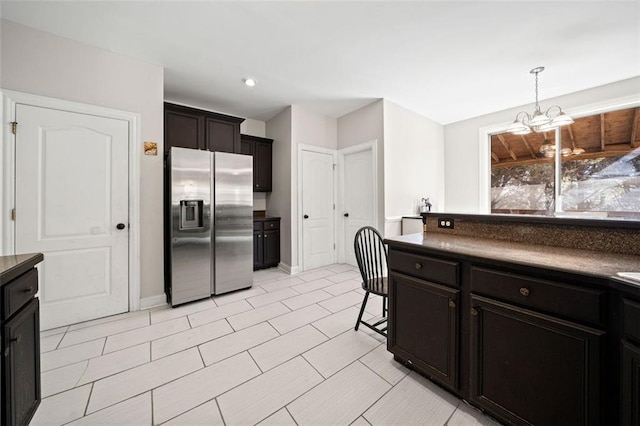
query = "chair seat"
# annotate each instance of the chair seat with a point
(377, 286)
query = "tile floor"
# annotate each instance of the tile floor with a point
(281, 353)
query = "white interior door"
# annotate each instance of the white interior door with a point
(71, 200)
(317, 210)
(358, 197)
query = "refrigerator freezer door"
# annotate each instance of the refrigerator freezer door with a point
(190, 244)
(233, 221)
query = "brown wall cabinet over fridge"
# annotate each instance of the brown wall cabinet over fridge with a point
(198, 129)
(261, 150)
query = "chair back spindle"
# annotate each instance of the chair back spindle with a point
(371, 256)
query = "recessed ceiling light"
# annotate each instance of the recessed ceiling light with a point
(249, 81)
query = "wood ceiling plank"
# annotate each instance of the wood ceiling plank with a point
(573, 139)
(495, 157)
(634, 128)
(507, 147)
(528, 145)
(602, 132)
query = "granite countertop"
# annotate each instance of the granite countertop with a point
(577, 261)
(15, 265)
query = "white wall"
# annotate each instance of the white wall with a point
(253, 127)
(364, 125)
(44, 64)
(279, 202)
(413, 164)
(311, 128)
(462, 144)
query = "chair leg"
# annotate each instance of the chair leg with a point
(384, 306)
(364, 303)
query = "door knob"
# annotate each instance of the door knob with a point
(306, 216)
(346, 215)
(120, 226)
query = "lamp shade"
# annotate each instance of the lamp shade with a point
(539, 119)
(518, 126)
(561, 119)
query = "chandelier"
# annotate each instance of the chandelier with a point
(538, 121)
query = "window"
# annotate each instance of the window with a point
(599, 173)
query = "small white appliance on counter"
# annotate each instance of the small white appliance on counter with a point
(211, 229)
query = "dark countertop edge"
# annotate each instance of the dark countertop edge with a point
(263, 218)
(614, 281)
(412, 217)
(13, 266)
(535, 219)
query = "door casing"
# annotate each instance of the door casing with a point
(9, 100)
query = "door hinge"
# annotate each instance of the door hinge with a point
(334, 206)
(334, 246)
(13, 214)
(334, 166)
(14, 127)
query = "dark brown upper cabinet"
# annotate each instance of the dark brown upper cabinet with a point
(262, 151)
(199, 129)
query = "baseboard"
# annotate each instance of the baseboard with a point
(153, 301)
(289, 269)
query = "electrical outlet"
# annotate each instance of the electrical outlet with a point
(445, 222)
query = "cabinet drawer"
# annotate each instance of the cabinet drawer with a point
(18, 292)
(428, 268)
(271, 224)
(631, 320)
(578, 303)
(257, 225)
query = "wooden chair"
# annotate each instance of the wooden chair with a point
(371, 255)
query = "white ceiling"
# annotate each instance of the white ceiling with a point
(446, 60)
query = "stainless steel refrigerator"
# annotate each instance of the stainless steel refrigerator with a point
(211, 229)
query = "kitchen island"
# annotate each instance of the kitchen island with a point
(530, 333)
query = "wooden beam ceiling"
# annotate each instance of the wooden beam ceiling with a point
(495, 157)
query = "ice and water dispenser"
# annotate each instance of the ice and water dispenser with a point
(191, 214)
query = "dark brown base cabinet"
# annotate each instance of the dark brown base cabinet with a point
(266, 243)
(530, 368)
(630, 358)
(20, 392)
(527, 345)
(433, 349)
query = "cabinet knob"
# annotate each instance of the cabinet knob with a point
(418, 266)
(474, 311)
(452, 304)
(29, 290)
(259, 235)
(266, 236)
(409, 362)
(524, 291)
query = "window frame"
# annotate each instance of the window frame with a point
(485, 133)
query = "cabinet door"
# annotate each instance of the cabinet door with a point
(630, 384)
(21, 364)
(258, 250)
(423, 326)
(262, 167)
(222, 136)
(530, 368)
(246, 147)
(183, 129)
(271, 247)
